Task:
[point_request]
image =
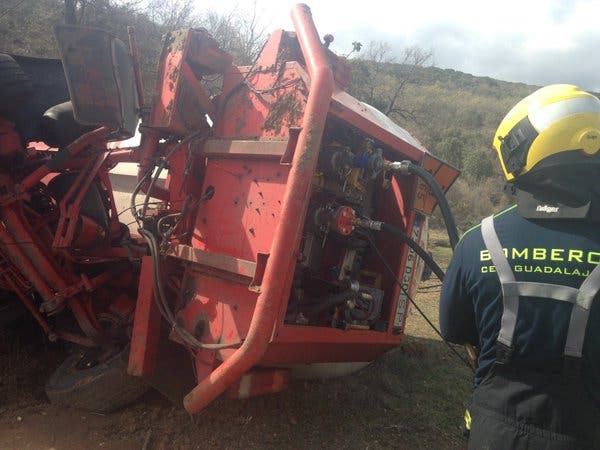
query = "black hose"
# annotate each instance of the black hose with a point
(442, 201)
(331, 301)
(132, 204)
(412, 301)
(397, 232)
(163, 305)
(162, 164)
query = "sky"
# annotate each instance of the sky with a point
(532, 41)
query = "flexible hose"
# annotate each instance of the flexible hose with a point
(401, 235)
(442, 201)
(163, 163)
(162, 303)
(331, 301)
(412, 301)
(132, 204)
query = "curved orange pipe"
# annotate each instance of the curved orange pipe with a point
(274, 287)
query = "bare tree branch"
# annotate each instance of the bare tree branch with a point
(242, 35)
(382, 79)
(70, 12)
(171, 14)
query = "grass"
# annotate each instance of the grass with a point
(411, 398)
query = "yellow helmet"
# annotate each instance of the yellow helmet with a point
(557, 125)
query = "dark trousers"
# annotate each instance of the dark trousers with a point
(515, 408)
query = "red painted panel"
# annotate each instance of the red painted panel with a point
(263, 104)
(241, 218)
(146, 325)
(219, 309)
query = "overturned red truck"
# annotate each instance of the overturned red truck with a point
(260, 256)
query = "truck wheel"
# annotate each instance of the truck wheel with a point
(100, 387)
(15, 86)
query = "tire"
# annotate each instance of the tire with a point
(15, 86)
(102, 388)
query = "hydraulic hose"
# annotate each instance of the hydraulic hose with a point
(332, 300)
(411, 300)
(409, 167)
(397, 232)
(428, 259)
(162, 303)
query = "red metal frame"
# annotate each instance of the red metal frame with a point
(261, 163)
(237, 197)
(26, 238)
(293, 210)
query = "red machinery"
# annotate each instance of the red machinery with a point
(254, 257)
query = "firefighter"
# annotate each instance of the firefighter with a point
(522, 286)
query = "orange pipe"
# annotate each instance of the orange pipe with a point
(274, 288)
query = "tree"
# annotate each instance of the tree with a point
(477, 165)
(451, 149)
(70, 8)
(171, 14)
(239, 34)
(381, 80)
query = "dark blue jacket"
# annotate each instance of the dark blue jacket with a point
(558, 252)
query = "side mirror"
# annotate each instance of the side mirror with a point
(100, 77)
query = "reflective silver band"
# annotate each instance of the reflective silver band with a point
(581, 298)
(589, 288)
(490, 238)
(542, 290)
(576, 333)
(581, 313)
(510, 300)
(547, 115)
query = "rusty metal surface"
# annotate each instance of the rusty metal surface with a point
(100, 77)
(276, 281)
(246, 206)
(70, 205)
(188, 56)
(204, 54)
(214, 260)
(263, 103)
(444, 174)
(376, 124)
(235, 209)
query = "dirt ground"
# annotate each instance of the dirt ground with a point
(413, 397)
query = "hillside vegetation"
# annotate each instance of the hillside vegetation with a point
(457, 116)
(452, 113)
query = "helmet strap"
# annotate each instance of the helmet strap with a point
(532, 208)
